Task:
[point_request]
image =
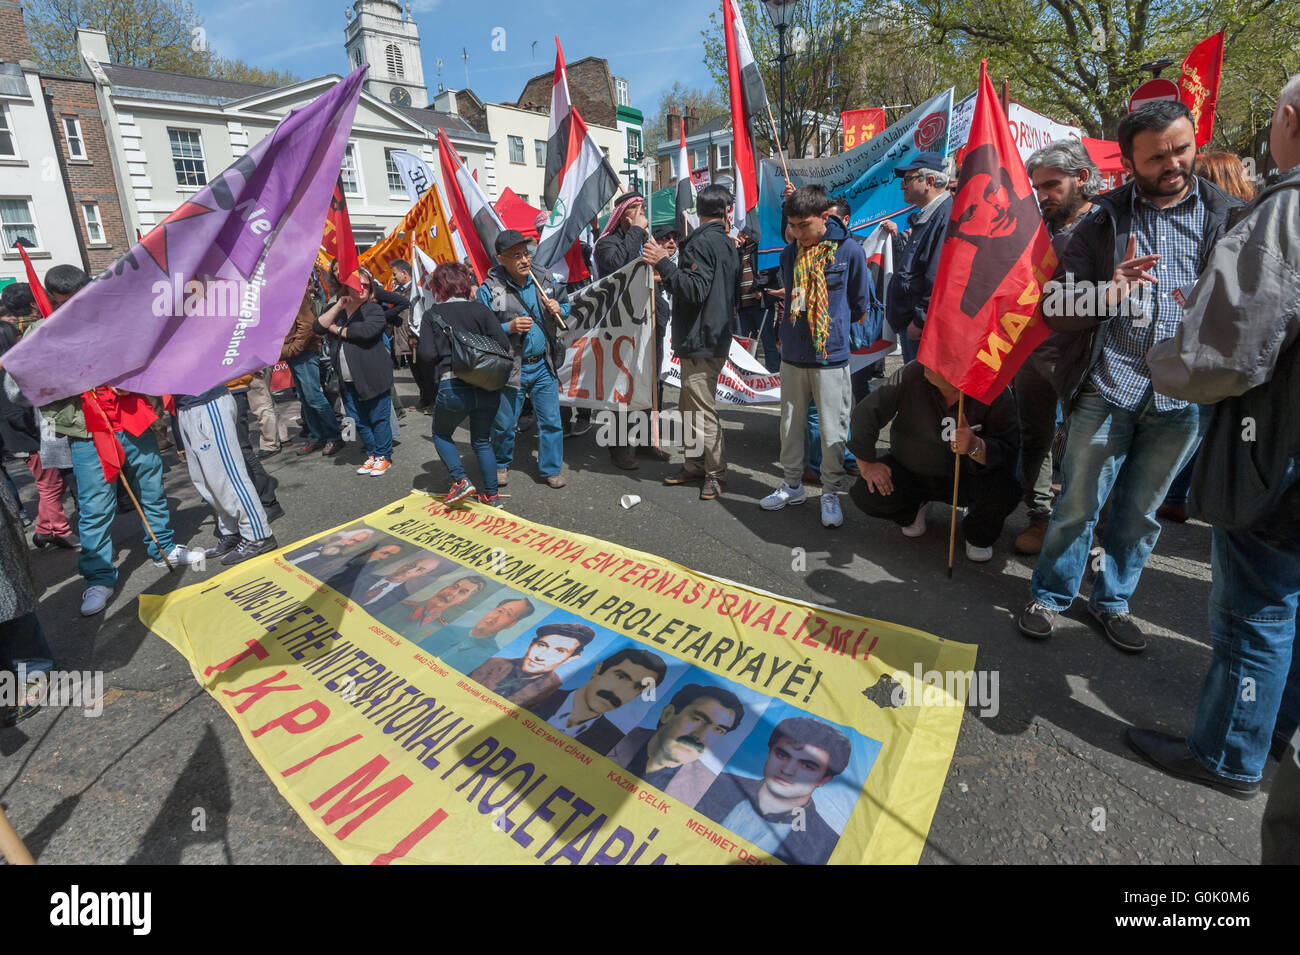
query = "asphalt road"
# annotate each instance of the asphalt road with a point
(1048, 779)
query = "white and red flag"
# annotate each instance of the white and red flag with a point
(748, 98)
(476, 220)
(688, 219)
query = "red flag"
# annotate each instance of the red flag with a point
(1198, 86)
(985, 315)
(478, 222)
(748, 98)
(38, 291)
(338, 242)
(860, 125)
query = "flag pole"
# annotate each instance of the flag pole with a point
(542, 292)
(654, 366)
(956, 472)
(777, 139)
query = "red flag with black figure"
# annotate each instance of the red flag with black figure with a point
(985, 315)
(337, 240)
(1198, 84)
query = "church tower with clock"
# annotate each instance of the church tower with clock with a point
(380, 35)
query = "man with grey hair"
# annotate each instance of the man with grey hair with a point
(925, 186)
(1238, 349)
(1065, 179)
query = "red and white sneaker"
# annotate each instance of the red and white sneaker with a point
(380, 466)
(368, 466)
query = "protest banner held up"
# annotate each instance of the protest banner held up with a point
(209, 293)
(429, 684)
(864, 176)
(608, 358)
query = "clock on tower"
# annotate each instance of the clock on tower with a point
(399, 96)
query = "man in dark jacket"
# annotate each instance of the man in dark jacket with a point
(510, 290)
(703, 287)
(1123, 435)
(919, 407)
(1239, 349)
(824, 272)
(925, 185)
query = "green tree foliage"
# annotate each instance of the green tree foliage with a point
(156, 34)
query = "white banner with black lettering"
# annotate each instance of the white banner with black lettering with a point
(743, 381)
(608, 359)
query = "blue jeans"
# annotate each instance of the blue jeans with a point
(317, 414)
(456, 401)
(1183, 482)
(910, 348)
(814, 436)
(538, 383)
(1130, 457)
(97, 503)
(1252, 622)
(374, 420)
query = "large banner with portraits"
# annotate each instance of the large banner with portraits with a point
(434, 684)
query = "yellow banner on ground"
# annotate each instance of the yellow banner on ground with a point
(426, 225)
(433, 684)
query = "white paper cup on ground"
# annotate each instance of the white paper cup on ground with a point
(629, 501)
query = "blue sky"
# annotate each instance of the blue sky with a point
(643, 41)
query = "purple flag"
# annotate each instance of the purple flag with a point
(210, 292)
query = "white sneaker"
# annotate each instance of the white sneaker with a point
(978, 554)
(368, 466)
(95, 599)
(917, 527)
(782, 496)
(832, 516)
(182, 556)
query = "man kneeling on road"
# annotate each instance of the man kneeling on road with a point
(918, 468)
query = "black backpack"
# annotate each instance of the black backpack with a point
(476, 359)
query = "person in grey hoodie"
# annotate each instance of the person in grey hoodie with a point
(1239, 349)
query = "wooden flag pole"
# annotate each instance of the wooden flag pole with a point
(121, 476)
(777, 139)
(956, 472)
(540, 291)
(654, 367)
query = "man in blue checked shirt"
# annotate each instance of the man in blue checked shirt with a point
(510, 291)
(1137, 255)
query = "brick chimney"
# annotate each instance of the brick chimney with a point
(691, 119)
(672, 122)
(14, 45)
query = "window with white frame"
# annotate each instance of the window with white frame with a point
(17, 222)
(187, 157)
(516, 149)
(94, 223)
(724, 155)
(539, 150)
(72, 136)
(633, 142)
(621, 92)
(349, 173)
(8, 145)
(396, 187)
(699, 159)
(394, 57)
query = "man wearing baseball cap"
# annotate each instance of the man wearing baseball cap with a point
(925, 186)
(510, 290)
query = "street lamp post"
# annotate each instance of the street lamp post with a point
(782, 14)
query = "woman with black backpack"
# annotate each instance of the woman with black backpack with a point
(364, 369)
(458, 314)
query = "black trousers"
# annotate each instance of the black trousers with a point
(989, 494)
(257, 474)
